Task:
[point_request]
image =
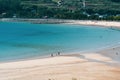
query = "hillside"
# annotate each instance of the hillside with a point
(66, 9)
(77, 4)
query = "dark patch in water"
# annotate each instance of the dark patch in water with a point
(34, 46)
(39, 33)
(116, 29)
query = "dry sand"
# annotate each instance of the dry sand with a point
(87, 66)
(112, 24)
(65, 21)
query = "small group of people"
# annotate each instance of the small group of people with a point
(58, 54)
(116, 52)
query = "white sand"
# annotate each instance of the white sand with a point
(88, 66)
(96, 23)
(64, 21)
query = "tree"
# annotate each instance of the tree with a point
(115, 0)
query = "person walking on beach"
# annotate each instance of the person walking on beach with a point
(116, 53)
(58, 53)
(51, 55)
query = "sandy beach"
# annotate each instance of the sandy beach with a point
(113, 24)
(100, 65)
(103, 65)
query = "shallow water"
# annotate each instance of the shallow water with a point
(25, 40)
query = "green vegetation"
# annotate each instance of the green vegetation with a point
(63, 9)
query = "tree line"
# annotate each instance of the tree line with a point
(14, 8)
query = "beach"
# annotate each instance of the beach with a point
(100, 65)
(113, 24)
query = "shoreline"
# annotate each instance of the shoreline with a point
(73, 53)
(62, 21)
(110, 24)
(101, 65)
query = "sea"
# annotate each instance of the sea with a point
(22, 40)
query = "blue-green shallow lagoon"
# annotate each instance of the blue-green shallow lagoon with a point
(26, 40)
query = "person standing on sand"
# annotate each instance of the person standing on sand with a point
(51, 55)
(116, 53)
(58, 53)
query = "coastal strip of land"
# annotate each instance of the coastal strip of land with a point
(102, 65)
(111, 24)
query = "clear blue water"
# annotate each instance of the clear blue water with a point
(25, 40)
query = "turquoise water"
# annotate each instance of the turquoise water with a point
(25, 40)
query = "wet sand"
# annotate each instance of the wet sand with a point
(102, 65)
